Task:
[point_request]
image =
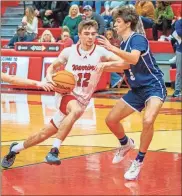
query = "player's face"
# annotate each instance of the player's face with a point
(88, 36)
(120, 26)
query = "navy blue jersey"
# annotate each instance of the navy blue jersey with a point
(145, 72)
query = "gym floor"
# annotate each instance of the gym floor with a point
(88, 151)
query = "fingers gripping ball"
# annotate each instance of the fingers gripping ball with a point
(65, 81)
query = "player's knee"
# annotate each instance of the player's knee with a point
(148, 121)
(77, 113)
(110, 120)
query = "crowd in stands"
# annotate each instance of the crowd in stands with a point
(155, 15)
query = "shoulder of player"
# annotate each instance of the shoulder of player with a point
(68, 49)
(137, 36)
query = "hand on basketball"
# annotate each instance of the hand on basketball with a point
(104, 42)
(46, 86)
(49, 78)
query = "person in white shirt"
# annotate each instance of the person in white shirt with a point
(84, 61)
(30, 22)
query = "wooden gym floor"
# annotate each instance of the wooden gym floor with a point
(87, 153)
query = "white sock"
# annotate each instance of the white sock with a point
(57, 143)
(18, 147)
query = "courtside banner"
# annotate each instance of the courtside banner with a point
(46, 63)
(15, 66)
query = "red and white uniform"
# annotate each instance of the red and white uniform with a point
(83, 65)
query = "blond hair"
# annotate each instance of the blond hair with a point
(31, 15)
(74, 6)
(49, 33)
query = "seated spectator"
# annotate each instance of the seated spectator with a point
(110, 6)
(47, 37)
(115, 77)
(145, 9)
(177, 34)
(163, 19)
(20, 36)
(65, 37)
(109, 34)
(52, 13)
(96, 4)
(90, 15)
(72, 21)
(30, 22)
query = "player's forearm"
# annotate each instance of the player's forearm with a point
(126, 56)
(20, 81)
(115, 66)
(52, 67)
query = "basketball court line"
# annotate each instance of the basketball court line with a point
(93, 134)
(72, 157)
(77, 156)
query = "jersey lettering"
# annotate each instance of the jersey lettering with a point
(83, 79)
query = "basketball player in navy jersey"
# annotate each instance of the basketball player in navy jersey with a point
(147, 88)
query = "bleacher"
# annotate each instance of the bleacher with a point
(162, 51)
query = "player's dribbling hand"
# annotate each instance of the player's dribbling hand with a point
(45, 85)
(104, 42)
(49, 79)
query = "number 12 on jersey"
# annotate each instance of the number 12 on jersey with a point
(83, 79)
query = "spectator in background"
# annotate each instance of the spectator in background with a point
(115, 77)
(96, 4)
(110, 6)
(47, 37)
(178, 36)
(52, 13)
(110, 35)
(65, 37)
(145, 9)
(90, 15)
(72, 21)
(39, 7)
(20, 36)
(163, 19)
(30, 22)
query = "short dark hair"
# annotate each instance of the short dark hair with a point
(128, 14)
(87, 24)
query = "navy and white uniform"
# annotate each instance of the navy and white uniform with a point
(145, 78)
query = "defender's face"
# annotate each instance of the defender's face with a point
(88, 36)
(120, 26)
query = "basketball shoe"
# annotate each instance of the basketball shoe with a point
(52, 157)
(133, 171)
(123, 150)
(9, 159)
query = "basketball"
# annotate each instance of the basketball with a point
(65, 81)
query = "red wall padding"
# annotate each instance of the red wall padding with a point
(35, 68)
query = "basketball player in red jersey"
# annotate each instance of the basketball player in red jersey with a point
(21, 81)
(83, 60)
